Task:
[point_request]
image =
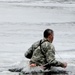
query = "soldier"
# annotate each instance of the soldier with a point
(43, 52)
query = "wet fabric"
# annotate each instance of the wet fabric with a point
(48, 55)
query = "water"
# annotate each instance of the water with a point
(43, 1)
(23, 22)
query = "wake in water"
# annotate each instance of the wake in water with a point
(23, 70)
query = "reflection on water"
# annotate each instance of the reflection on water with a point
(47, 73)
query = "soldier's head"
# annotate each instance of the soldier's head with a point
(49, 35)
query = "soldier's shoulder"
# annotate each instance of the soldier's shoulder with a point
(35, 43)
(46, 43)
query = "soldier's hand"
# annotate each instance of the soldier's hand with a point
(64, 65)
(32, 65)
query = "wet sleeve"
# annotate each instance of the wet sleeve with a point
(30, 51)
(50, 56)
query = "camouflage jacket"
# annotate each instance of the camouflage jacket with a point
(43, 55)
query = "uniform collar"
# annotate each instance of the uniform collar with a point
(44, 39)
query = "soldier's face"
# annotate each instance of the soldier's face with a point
(51, 37)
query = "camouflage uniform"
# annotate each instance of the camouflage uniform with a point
(48, 56)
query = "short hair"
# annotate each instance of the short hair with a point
(47, 32)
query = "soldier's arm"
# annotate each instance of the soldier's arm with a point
(50, 56)
(30, 51)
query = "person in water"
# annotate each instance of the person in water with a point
(42, 52)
